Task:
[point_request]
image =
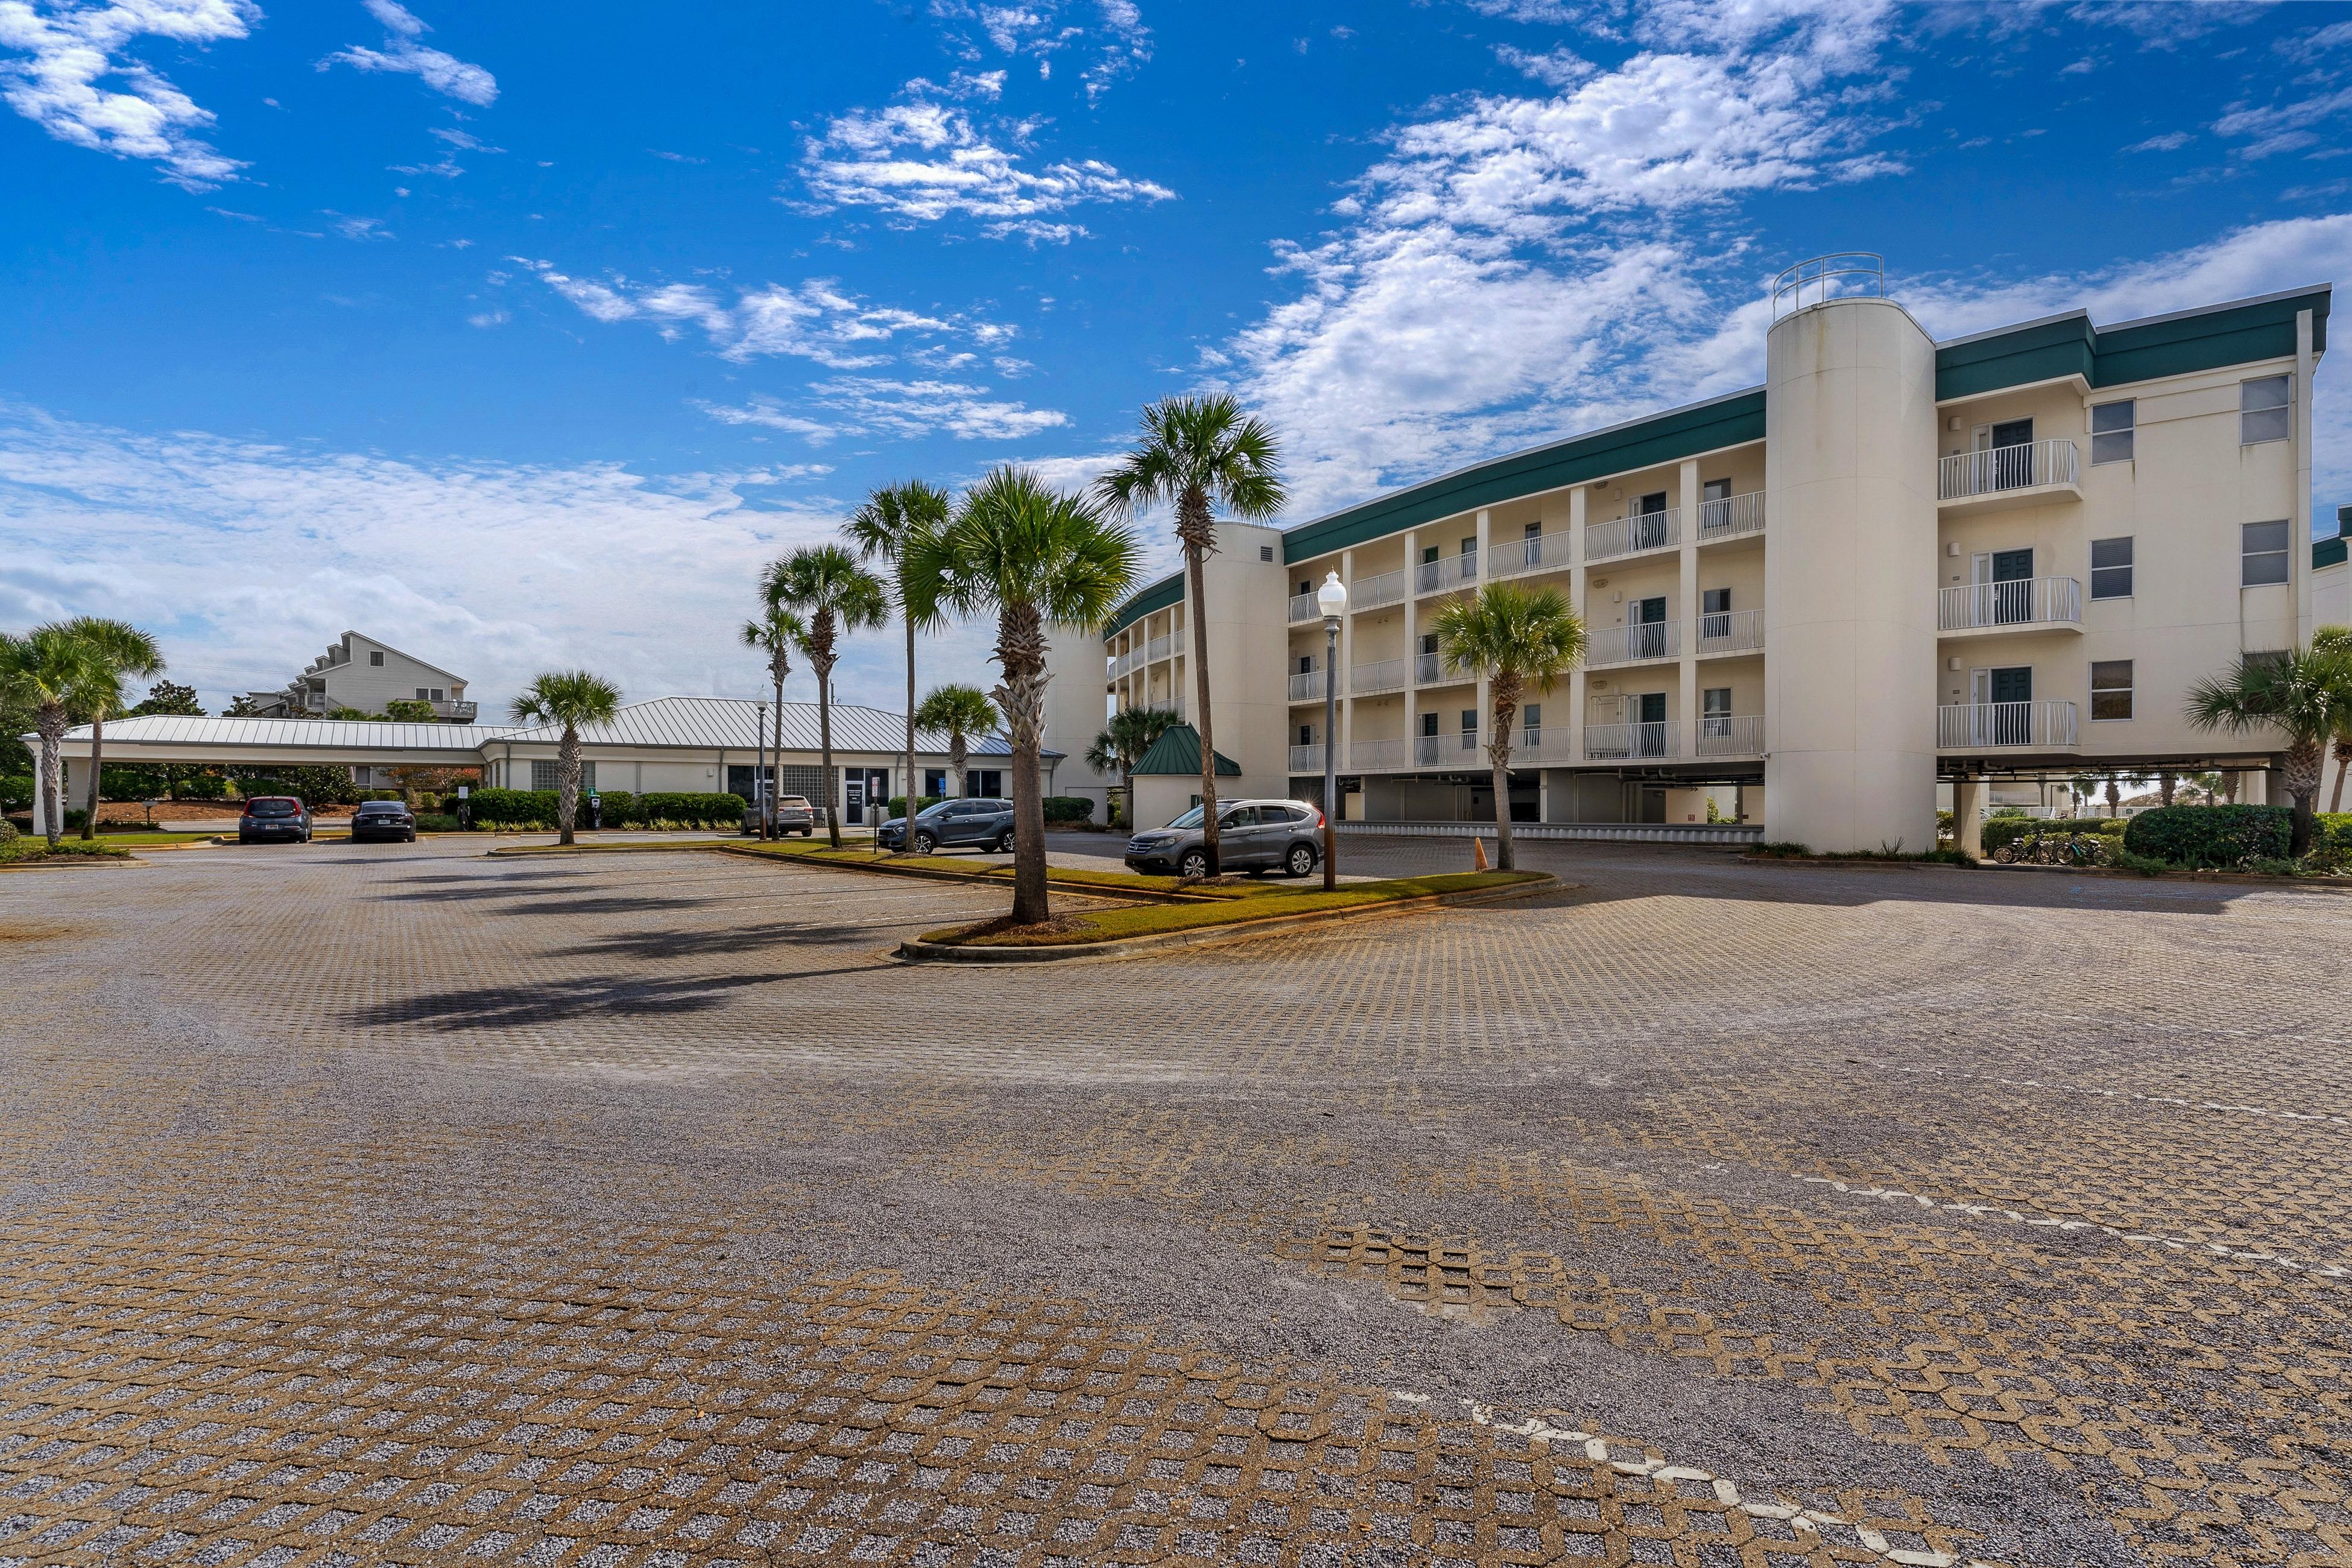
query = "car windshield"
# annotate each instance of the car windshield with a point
(1190, 819)
(272, 807)
(933, 813)
(792, 802)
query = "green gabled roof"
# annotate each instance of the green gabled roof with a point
(1169, 590)
(2182, 343)
(2330, 552)
(1177, 753)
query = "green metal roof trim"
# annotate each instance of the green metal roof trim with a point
(2180, 344)
(2327, 553)
(1169, 590)
(1663, 438)
(1177, 754)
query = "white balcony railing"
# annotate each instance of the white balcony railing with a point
(1376, 757)
(1383, 675)
(1161, 647)
(2022, 466)
(2022, 602)
(1975, 725)
(1636, 642)
(1306, 759)
(1631, 742)
(1463, 748)
(1445, 572)
(1429, 669)
(1731, 631)
(1731, 735)
(1730, 517)
(1535, 745)
(1307, 685)
(1632, 534)
(1373, 592)
(1536, 552)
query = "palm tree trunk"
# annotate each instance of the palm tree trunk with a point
(96, 763)
(2343, 766)
(567, 783)
(1200, 657)
(2164, 787)
(825, 745)
(50, 721)
(914, 794)
(1020, 654)
(2304, 761)
(957, 753)
(1506, 691)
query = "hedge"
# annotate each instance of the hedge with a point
(2001, 830)
(1068, 808)
(2211, 837)
(897, 804)
(518, 807)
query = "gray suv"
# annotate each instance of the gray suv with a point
(976, 824)
(1251, 836)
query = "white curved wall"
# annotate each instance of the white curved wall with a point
(1850, 578)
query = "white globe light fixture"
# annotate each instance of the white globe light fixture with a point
(1331, 598)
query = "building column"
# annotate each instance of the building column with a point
(1967, 816)
(1687, 567)
(1576, 575)
(1412, 647)
(1344, 660)
(1485, 690)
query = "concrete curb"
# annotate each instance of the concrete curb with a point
(1123, 947)
(2112, 873)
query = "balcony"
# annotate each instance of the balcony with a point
(1730, 631)
(1444, 573)
(1731, 735)
(2025, 604)
(1371, 679)
(1536, 552)
(1307, 685)
(1375, 592)
(1159, 648)
(1655, 741)
(1731, 517)
(1638, 642)
(1375, 756)
(1632, 535)
(2001, 477)
(1429, 669)
(1455, 751)
(453, 710)
(1989, 726)
(1306, 759)
(1303, 608)
(1537, 746)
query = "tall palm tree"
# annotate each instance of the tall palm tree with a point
(2303, 694)
(569, 698)
(1196, 453)
(776, 633)
(47, 668)
(882, 530)
(118, 651)
(1130, 732)
(2337, 640)
(961, 713)
(826, 586)
(1519, 639)
(1036, 559)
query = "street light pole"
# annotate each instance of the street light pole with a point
(1332, 600)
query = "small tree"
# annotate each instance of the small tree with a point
(776, 632)
(826, 586)
(962, 713)
(1035, 559)
(571, 698)
(1130, 732)
(117, 651)
(409, 711)
(2337, 640)
(2304, 695)
(1518, 638)
(45, 670)
(884, 530)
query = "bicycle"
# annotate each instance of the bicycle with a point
(2041, 849)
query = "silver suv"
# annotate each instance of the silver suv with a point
(1251, 836)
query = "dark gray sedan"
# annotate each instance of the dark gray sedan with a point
(1284, 835)
(977, 824)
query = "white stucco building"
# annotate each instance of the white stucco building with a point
(360, 673)
(1899, 568)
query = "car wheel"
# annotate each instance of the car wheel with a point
(1301, 860)
(925, 844)
(1004, 844)
(1192, 863)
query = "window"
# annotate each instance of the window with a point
(424, 694)
(2261, 411)
(1306, 734)
(375, 657)
(2111, 432)
(1469, 729)
(2111, 689)
(2111, 568)
(935, 781)
(985, 783)
(545, 774)
(1429, 725)
(1305, 588)
(1534, 715)
(2263, 546)
(1306, 664)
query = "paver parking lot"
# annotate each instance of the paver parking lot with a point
(390, 1203)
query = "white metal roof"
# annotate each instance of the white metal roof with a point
(710, 723)
(291, 734)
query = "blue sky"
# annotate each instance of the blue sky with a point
(522, 335)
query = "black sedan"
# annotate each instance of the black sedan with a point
(383, 819)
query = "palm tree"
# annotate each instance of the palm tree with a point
(882, 530)
(118, 651)
(2304, 694)
(569, 698)
(1517, 639)
(1195, 453)
(2210, 784)
(2337, 640)
(824, 586)
(776, 633)
(47, 670)
(1130, 732)
(1036, 559)
(961, 713)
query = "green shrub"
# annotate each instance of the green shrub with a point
(2010, 829)
(312, 786)
(15, 792)
(431, 822)
(1068, 808)
(119, 782)
(2211, 837)
(513, 807)
(896, 803)
(679, 808)
(381, 794)
(1782, 849)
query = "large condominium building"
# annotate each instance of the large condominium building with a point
(1898, 564)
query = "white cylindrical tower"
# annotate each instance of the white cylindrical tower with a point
(1850, 576)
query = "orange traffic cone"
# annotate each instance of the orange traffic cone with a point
(1477, 853)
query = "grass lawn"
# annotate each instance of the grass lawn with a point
(1261, 902)
(26, 850)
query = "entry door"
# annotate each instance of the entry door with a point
(2010, 444)
(1649, 530)
(853, 800)
(2009, 690)
(1649, 617)
(1650, 740)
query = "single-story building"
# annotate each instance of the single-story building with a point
(710, 744)
(1165, 781)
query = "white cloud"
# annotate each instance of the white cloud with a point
(402, 53)
(1112, 31)
(54, 59)
(2283, 127)
(358, 228)
(2169, 142)
(924, 160)
(870, 405)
